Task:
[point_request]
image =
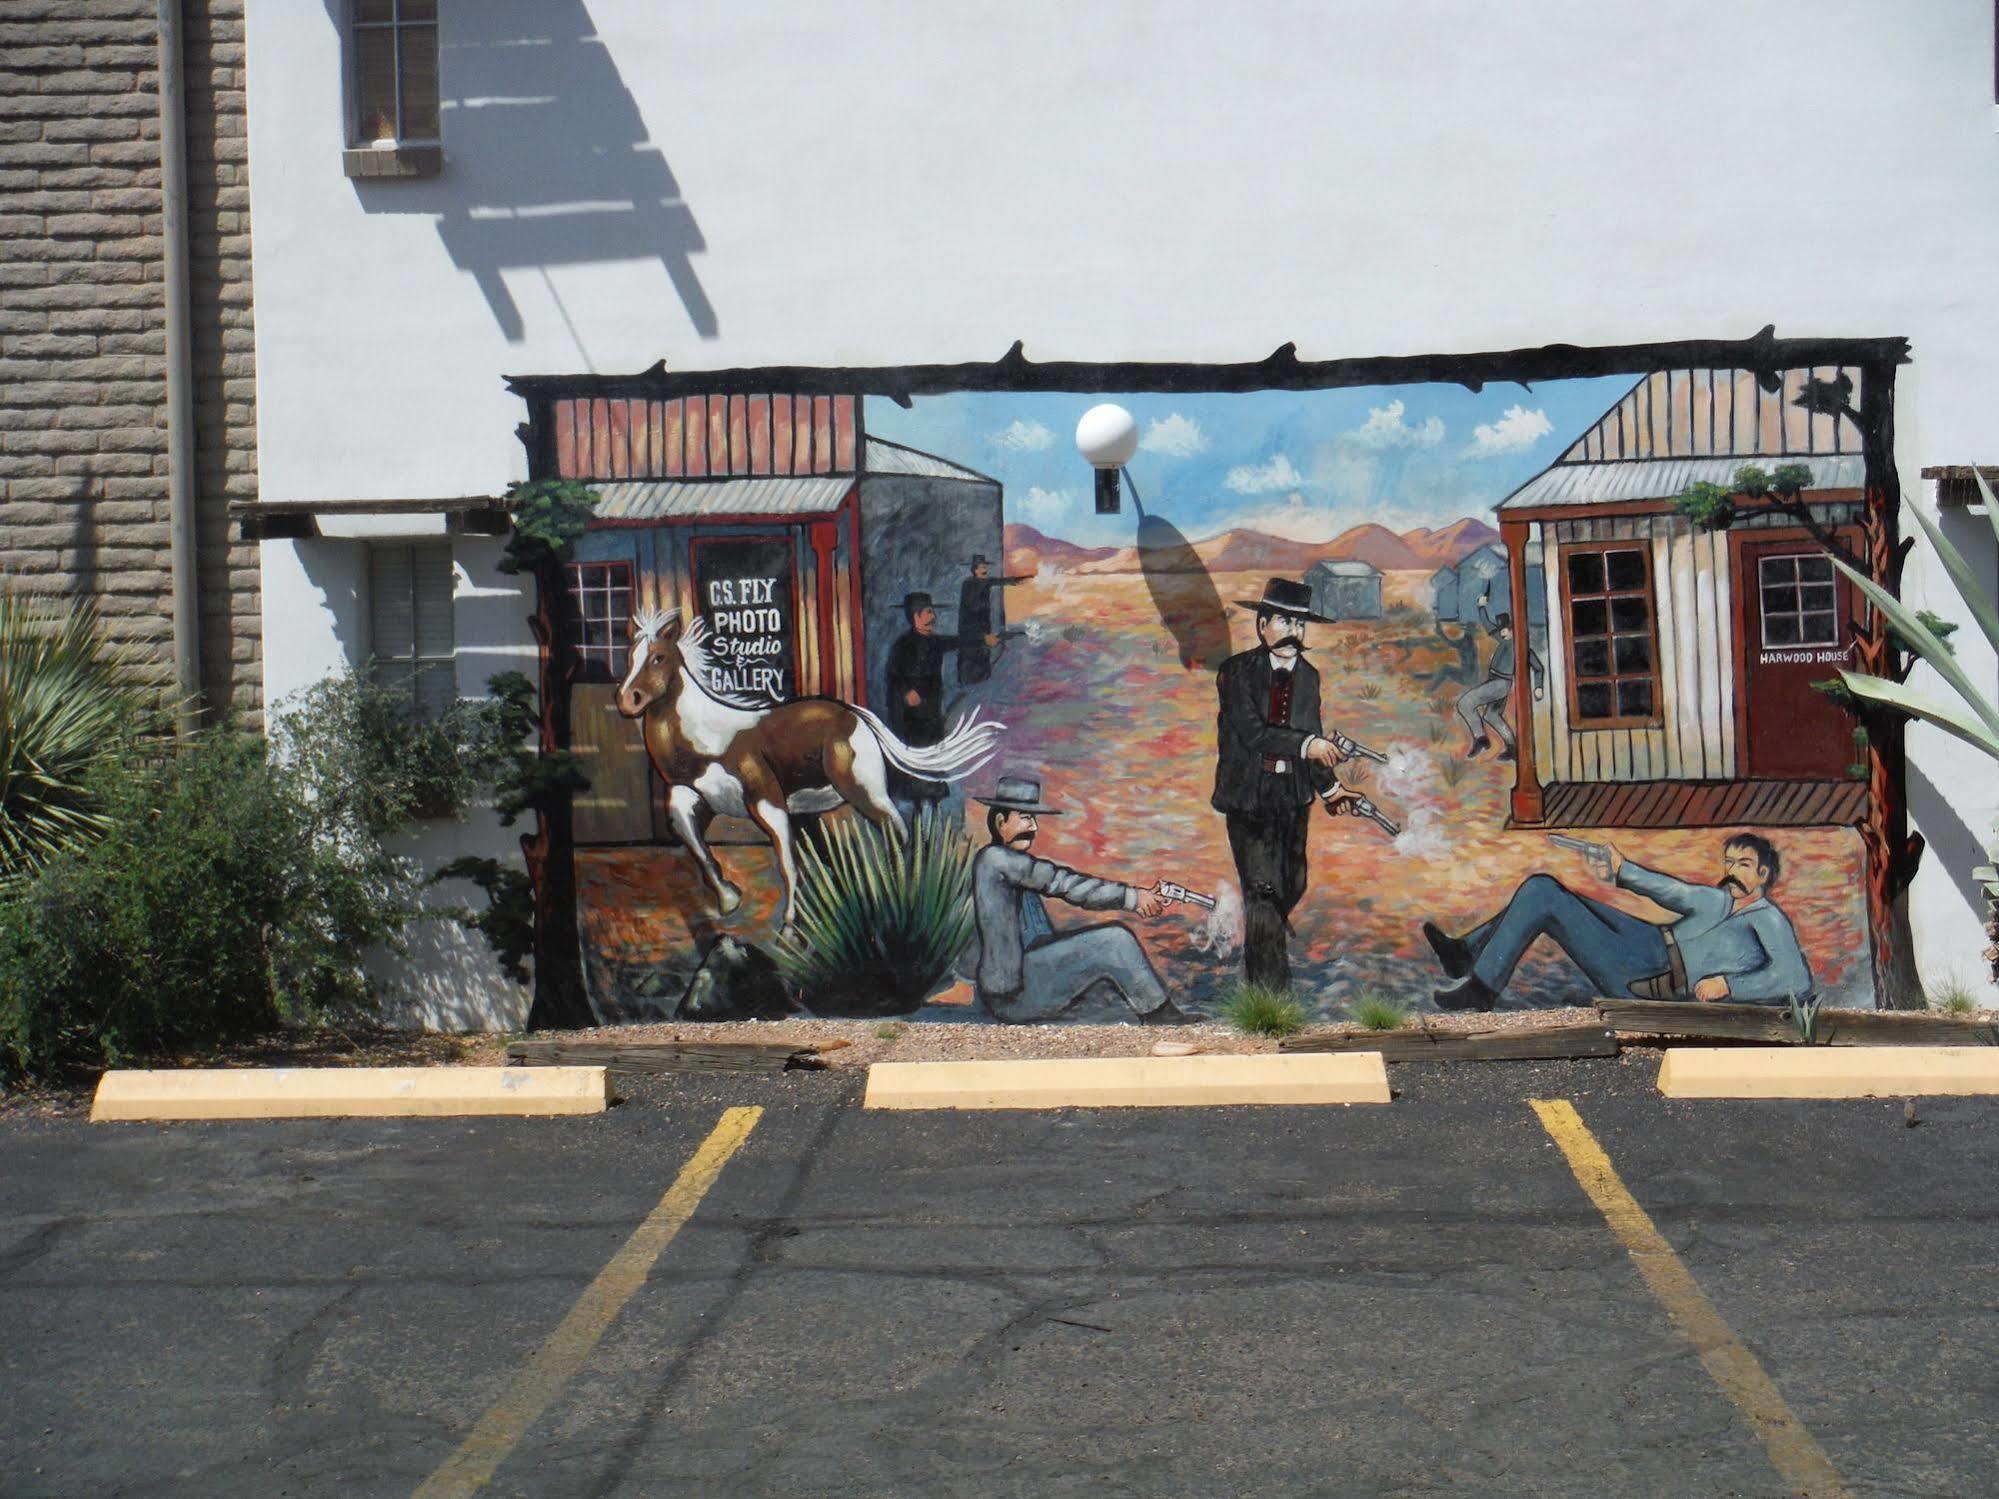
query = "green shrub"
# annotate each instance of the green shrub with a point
(374, 767)
(1257, 1010)
(218, 901)
(1377, 1012)
(1949, 994)
(878, 919)
(64, 711)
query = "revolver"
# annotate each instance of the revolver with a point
(1351, 749)
(1181, 893)
(1360, 806)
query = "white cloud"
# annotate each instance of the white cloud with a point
(1519, 428)
(1262, 478)
(1385, 428)
(1024, 437)
(1043, 504)
(1175, 436)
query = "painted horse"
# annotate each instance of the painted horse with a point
(721, 754)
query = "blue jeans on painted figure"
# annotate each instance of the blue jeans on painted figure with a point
(1611, 946)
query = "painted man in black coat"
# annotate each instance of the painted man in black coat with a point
(915, 707)
(975, 620)
(1274, 761)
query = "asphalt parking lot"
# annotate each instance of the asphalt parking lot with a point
(1415, 1299)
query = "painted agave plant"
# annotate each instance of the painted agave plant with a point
(1971, 715)
(64, 710)
(880, 918)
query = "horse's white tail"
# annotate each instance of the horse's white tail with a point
(968, 746)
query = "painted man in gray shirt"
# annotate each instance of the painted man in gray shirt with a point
(1028, 971)
(1728, 940)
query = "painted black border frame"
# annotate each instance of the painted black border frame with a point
(1893, 853)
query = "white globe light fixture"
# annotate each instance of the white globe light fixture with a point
(1107, 437)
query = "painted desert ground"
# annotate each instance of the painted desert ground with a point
(1096, 700)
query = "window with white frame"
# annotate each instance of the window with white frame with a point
(395, 72)
(600, 609)
(410, 637)
(1799, 599)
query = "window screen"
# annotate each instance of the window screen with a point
(1614, 674)
(410, 629)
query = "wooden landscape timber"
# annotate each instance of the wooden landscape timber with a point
(1515, 1043)
(1762, 1023)
(666, 1056)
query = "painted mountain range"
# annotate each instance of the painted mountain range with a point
(1241, 550)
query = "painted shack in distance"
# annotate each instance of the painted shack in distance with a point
(773, 517)
(1681, 661)
(1345, 590)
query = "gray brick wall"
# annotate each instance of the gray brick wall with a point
(83, 495)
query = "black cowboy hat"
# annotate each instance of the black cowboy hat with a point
(1018, 794)
(1293, 600)
(911, 602)
(980, 559)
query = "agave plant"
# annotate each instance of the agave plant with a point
(64, 710)
(1973, 716)
(880, 917)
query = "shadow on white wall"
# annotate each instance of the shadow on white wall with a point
(547, 159)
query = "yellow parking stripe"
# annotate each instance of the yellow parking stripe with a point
(541, 1379)
(1799, 1460)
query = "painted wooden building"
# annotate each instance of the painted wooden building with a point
(773, 517)
(1680, 660)
(1345, 590)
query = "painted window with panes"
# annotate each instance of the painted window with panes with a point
(1613, 636)
(411, 639)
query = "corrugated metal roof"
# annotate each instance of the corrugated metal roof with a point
(679, 499)
(1343, 569)
(1663, 479)
(894, 458)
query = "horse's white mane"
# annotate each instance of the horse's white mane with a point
(649, 622)
(694, 655)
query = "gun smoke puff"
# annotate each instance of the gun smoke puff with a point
(1410, 778)
(1221, 932)
(1424, 836)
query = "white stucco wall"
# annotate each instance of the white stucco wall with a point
(316, 624)
(882, 181)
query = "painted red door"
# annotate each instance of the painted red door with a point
(1796, 614)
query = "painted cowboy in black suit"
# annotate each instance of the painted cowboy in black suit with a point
(915, 707)
(1274, 760)
(975, 620)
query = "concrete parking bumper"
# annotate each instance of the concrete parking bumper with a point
(348, 1092)
(1130, 1082)
(1826, 1072)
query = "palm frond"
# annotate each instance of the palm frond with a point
(65, 709)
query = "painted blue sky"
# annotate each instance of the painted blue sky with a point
(1306, 465)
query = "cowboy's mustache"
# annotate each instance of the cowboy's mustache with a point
(1020, 840)
(1730, 882)
(1291, 640)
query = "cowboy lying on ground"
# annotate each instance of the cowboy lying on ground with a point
(1484, 706)
(1730, 941)
(1026, 970)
